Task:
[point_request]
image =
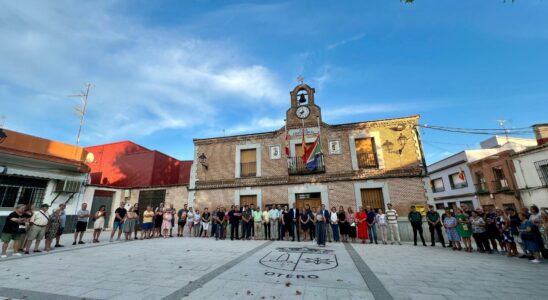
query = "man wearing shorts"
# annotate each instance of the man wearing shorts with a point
(38, 223)
(148, 217)
(82, 223)
(11, 232)
(120, 214)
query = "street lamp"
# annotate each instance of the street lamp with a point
(389, 146)
(202, 159)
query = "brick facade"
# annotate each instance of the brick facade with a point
(399, 172)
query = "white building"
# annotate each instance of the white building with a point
(532, 170)
(35, 171)
(451, 179)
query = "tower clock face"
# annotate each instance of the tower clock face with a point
(303, 112)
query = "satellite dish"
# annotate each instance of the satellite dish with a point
(90, 158)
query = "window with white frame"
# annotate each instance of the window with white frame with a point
(542, 170)
(458, 180)
(437, 185)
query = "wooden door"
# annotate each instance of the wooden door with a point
(248, 200)
(313, 202)
(373, 198)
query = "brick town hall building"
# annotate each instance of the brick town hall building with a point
(365, 163)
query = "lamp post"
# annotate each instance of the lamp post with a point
(202, 159)
(388, 146)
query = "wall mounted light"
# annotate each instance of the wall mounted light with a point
(202, 159)
(388, 146)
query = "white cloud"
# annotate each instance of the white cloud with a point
(256, 125)
(146, 80)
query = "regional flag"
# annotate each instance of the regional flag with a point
(311, 154)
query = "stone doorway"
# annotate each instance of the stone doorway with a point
(312, 199)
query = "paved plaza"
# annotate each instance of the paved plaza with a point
(197, 268)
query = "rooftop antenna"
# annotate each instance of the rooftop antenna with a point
(80, 110)
(502, 123)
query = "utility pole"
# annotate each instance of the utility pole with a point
(81, 110)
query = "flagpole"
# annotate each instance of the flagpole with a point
(319, 133)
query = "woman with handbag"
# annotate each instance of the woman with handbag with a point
(52, 228)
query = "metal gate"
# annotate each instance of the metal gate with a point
(152, 198)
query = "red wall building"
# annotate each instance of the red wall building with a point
(128, 165)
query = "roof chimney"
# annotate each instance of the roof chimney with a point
(541, 133)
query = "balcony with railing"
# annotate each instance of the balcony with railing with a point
(501, 185)
(248, 169)
(481, 188)
(296, 166)
(366, 160)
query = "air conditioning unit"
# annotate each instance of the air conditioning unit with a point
(67, 186)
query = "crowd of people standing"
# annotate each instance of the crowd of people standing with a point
(491, 231)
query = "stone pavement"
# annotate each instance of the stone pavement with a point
(197, 268)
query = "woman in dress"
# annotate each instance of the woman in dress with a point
(361, 218)
(514, 222)
(464, 230)
(382, 223)
(99, 223)
(136, 211)
(320, 228)
(286, 221)
(158, 219)
(508, 242)
(190, 220)
(450, 223)
(344, 226)
(129, 223)
(166, 223)
(52, 228)
(305, 224)
(528, 232)
(351, 219)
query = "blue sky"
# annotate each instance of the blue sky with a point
(169, 71)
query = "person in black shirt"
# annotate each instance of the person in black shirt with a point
(218, 220)
(120, 214)
(415, 218)
(11, 231)
(434, 224)
(234, 223)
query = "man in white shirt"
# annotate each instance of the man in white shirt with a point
(38, 222)
(274, 214)
(392, 218)
(266, 223)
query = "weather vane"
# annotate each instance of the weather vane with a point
(300, 79)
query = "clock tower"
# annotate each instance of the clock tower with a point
(303, 108)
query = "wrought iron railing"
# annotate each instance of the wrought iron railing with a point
(501, 185)
(481, 188)
(366, 160)
(296, 166)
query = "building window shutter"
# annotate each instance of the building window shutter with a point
(248, 163)
(365, 153)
